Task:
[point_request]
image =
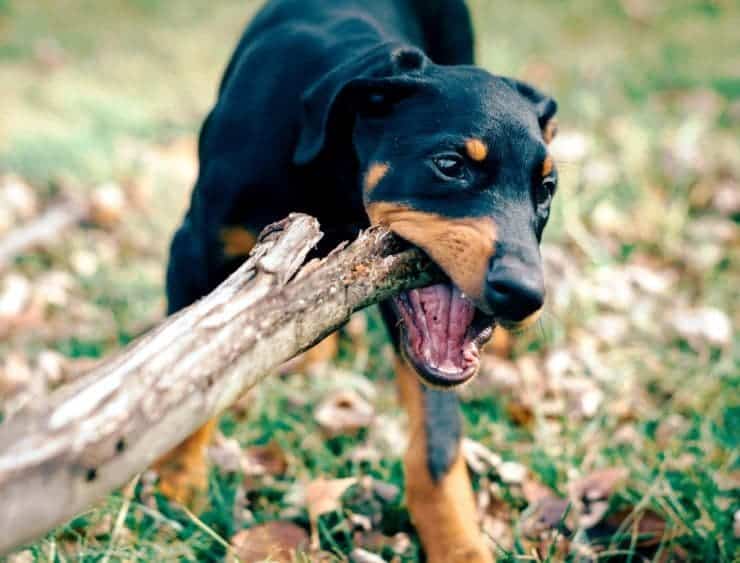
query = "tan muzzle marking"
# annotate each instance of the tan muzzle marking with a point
(462, 247)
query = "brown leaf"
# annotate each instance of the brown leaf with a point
(344, 412)
(376, 541)
(545, 516)
(534, 491)
(590, 494)
(269, 459)
(107, 204)
(598, 485)
(648, 525)
(520, 413)
(322, 496)
(272, 541)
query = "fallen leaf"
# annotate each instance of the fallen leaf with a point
(598, 485)
(388, 492)
(15, 296)
(52, 366)
(107, 204)
(225, 453)
(478, 457)
(18, 197)
(520, 413)
(649, 527)
(590, 494)
(697, 326)
(272, 541)
(15, 375)
(359, 555)
(322, 496)
(545, 516)
(534, 491)
(269, 459)
(512, 473)
(25, 556)
(726, 198)
(344, 412)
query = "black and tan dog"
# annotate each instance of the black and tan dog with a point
(370, 111)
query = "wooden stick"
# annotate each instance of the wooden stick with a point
(94, 435)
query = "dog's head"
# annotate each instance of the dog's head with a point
(454, 160)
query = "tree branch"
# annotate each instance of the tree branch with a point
(92, 436)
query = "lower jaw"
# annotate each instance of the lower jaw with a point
(479, 332)
(436, 378)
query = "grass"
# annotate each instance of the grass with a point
(650, 112)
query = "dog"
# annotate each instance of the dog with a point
(363, 112)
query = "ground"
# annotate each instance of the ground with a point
(613, 431)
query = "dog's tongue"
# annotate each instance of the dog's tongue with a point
(438, 326)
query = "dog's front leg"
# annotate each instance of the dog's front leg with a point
(183, 472)
(438, 490)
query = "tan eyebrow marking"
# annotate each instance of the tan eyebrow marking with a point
(477, 149)
(551, 129)
(547, 166)
(374, 175)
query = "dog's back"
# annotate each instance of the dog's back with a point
(247, 174)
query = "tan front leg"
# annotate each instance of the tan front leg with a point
(442, 508)
(183, 472)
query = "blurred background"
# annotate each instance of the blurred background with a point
(614, 427)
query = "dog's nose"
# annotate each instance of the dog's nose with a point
(515, 291)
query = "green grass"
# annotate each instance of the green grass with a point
(115, 91)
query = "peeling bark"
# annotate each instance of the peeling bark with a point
(97, 433)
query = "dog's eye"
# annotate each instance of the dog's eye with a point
(544, 194)
(451, 166)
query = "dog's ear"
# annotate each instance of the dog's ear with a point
(370, 83)
(545, 107)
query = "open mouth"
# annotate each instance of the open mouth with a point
(442, 333)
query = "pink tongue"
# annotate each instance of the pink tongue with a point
(443, 316)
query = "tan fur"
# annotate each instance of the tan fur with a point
(501, 343)
(550, 130)
(323, 352)
(237, 241)
(461, 247)
(547, 166)
(443, 512)
(374, 175)
(477, 149)
(183, 472)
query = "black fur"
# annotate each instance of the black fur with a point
(443, 429)
(317, 90)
